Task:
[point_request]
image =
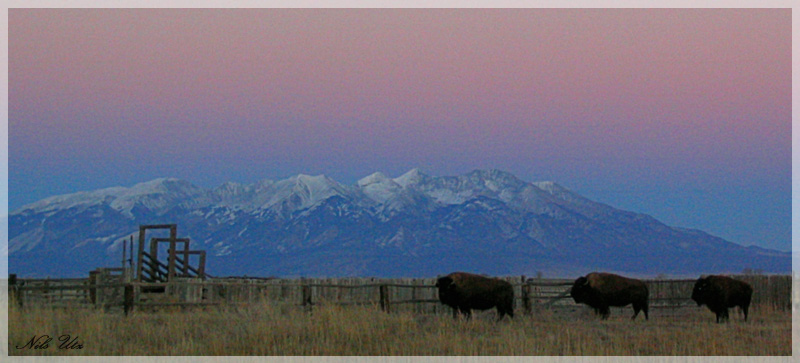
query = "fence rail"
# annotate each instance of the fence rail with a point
(106, 290)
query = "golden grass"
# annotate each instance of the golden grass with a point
(268, 329)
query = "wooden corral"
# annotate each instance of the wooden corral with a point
(391, 295)
(150, 269)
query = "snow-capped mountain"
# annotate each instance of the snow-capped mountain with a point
(486, 221)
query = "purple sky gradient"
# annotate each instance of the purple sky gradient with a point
(682, 114)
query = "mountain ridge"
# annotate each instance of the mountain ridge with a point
(415, 224)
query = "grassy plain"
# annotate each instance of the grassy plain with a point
(267, 329)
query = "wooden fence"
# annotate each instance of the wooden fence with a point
(111, 290)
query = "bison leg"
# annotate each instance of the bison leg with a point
(722, 315)
(744, 310)
(604, 312)
(467, 312)
(503, 309)
(637, 308)
(501, 312)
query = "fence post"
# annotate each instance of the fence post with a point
(93, 283)
(526, 298)
(306, 290)
(128, 299)
(13, 289)
(414, 296)
(46, 291)
(384, 295)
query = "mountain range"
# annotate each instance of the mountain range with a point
(415, 225)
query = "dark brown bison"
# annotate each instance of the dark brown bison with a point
(465, 291)
(720, 293)
(601, 290)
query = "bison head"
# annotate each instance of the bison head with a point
(447, 288)
(701, 291)
(444, 283)
(580, 290)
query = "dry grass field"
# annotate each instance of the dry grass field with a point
(269, 329)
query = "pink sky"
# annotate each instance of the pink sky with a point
(659, 100)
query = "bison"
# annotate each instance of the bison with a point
(601, 290)
(465, 291)
(720, 293)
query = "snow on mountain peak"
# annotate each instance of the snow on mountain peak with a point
(494, 179)
(229, 185)
(413, 176)
(373, 178)
(234, 194)
(154, 194)
(379, 187)
(157, 194)
(319, 185)
(549, 186)
(303, 191)
(72, 200)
